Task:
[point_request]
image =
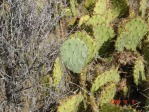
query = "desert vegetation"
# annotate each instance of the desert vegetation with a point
(74, 56)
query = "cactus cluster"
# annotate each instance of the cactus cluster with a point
(108, 21)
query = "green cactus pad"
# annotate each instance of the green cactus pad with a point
(101, 7)
(125, 90)
(83, 19)
(73, 8)
(143, 7)
(119, 7)
(70, 104)
(96, 20)
(110, 9)
(73, 54)
(89, 3)
(138, 71)
(107, 94)
(131, 34)
(57, 72)
(102, 79)
(91, 45)
(102, 33)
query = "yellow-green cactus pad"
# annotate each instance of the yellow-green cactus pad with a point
(102, 33)
(96, 20)
(143, 7)
(110, 9)
(89, 3)
(138, 71)
(57, 72)
(70, 104)
(131, 34)
(106, 77)
(83, 19)
(107, 94)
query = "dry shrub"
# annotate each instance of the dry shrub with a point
(28, 48)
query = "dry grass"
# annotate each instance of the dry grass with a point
(28, 48)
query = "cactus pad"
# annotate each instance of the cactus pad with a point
(143, 7)
(70, 104)
(110, 9)
(73, 8)
(138, 72)
(131, 34)
(83, 19)
(101, 7)
(107, 94)
(102, 33)
(57, 72)
(73, 53)
(107, 76)
(83, 36)
(89, 3)
(95, 20)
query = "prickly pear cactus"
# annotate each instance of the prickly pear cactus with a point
(89, 3)
(73, 54)
(83, 36)
(110, 9)
(74, 10)
(138, 71)
(101, 7)
(70, 104)
(106, 77)
(57, 72)
(102, 33)
(131, 33)
(107, 94)
(95, 20)
(104, 23)
(143, 7)
(83, 19)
